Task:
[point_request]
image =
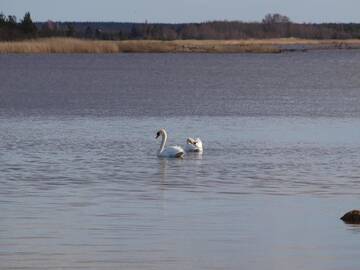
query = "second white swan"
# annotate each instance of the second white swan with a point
(170, 151)
(194, 145)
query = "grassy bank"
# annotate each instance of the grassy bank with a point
(71, 45)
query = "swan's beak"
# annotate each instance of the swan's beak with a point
(157, 136)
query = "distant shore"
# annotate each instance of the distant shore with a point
(72, 45)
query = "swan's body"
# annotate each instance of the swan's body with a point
(194, 145)
(170, 151)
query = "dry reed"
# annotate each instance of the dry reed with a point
(72, 45)
(59, 45)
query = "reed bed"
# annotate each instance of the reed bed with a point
(72, 45)
(195, 46)
(59, 45)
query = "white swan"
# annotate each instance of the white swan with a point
(170, 151)
(194, 145)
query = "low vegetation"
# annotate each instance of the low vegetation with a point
(73, 45)
(59, 45)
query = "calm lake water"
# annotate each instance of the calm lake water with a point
(81, 186)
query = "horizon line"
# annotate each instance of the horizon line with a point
(189, 22)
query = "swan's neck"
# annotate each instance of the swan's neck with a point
(163, 142)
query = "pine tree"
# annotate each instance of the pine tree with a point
(27, 25)
(70, 32)
(2, 19)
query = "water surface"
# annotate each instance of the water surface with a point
(81, 186)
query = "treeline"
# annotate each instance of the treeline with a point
(10, 29)
(272, 26)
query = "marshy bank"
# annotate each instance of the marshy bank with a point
(72, 45)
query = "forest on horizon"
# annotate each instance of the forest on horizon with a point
(272, 26)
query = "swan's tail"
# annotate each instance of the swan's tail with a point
(179, 155)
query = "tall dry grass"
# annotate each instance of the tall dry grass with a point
(72, 45)
(59, 45)
(197, 46)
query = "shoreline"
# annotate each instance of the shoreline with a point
(73, 45)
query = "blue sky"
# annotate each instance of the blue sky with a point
(183, 10)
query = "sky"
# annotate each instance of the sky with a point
(171, 11)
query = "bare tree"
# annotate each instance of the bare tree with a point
(275, 18)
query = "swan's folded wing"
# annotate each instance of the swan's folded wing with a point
(172, 151)
(177, 148)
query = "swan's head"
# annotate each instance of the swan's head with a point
(160, 132)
